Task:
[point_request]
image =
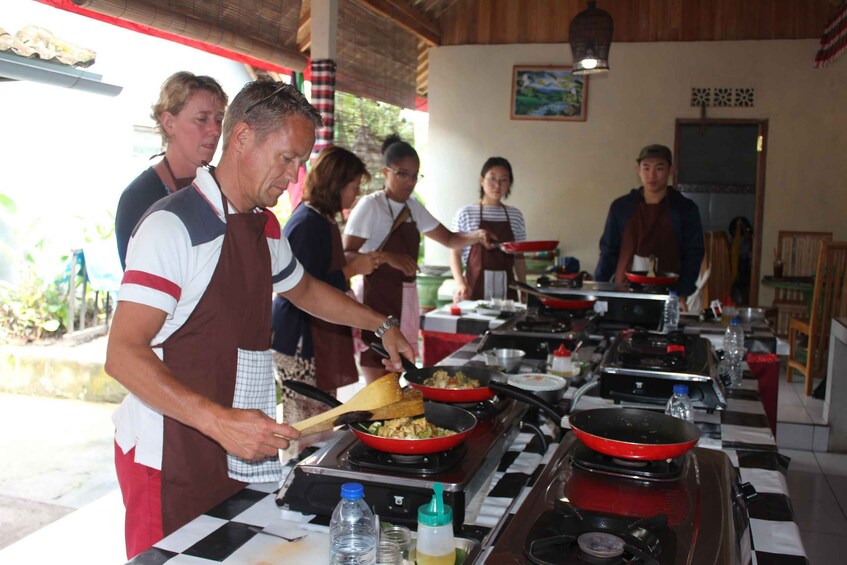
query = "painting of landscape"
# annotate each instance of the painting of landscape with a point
(548, 93)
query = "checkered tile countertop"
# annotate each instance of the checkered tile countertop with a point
(223, 535)
(471, 321)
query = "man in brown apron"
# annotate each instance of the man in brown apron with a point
(654, 219)
(201, 269)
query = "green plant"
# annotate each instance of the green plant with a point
(31, 309)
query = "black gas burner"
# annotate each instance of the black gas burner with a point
(484, 408)
(550, 324)
(596, 462)
(645, 340)
(574, 282)
(567, 535)
(670, 361)
(364, 457)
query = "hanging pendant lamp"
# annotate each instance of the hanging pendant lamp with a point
(590, 39)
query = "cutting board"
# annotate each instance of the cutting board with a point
(268, 550)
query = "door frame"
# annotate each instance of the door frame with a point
(759, 216)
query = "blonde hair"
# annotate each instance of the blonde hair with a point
(176, 91)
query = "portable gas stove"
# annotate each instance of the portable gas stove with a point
(396, 485)
(590, 508)
(642, 366)
(620, 305)
(540, 331)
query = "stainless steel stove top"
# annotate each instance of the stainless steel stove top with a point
(642, 366)
(395, 486)
(540, 331)
(695, 515)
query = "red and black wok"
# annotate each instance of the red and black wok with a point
(416, 378)
(626, 433)
(442, 415)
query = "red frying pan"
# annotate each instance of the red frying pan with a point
(417, 378)
(528, 246)
(632, 433)
(627, 433)
(661, 279)
(442, 415)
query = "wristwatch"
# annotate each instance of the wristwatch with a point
(390, 322)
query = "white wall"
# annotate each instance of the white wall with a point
(66, 154)
(567, 173)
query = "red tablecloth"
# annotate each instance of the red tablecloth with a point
(765, 367)
(438, 345)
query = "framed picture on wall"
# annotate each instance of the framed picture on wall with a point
(548, 93)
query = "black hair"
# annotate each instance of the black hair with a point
(395, 149)
(497, 162)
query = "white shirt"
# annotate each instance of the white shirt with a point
(371, 219)
(170, 261)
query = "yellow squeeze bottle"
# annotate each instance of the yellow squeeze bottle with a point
(436, 545)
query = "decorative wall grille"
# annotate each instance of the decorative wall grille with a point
(723, 96)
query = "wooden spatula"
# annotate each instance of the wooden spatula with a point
(411, 404)
(383, 391)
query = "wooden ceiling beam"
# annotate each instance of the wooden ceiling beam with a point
(406, 16)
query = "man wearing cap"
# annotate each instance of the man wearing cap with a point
(654, 219)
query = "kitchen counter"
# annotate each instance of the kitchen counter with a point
(741, 431)
(443, 332)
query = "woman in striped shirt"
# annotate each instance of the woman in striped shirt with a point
(488, 272)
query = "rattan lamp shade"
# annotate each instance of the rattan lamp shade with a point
(591, 39)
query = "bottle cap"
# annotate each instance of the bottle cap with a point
(735, 321)
(352, 491)
(562, 351)
(436, 513)
(680, 389)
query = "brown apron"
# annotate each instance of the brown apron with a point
(332, 345)
(234, 312)
(481, 259)
(649, 232)
(383, 289)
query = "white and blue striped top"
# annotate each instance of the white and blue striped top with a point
(467, 219)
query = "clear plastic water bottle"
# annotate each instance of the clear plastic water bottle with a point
(670, 316)
(679, 405)
(352, 529)
(733, 348)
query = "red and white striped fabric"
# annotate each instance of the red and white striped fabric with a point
(323, 98)
(834, 39)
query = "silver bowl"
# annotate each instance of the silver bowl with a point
(550, 388)
(509, 359)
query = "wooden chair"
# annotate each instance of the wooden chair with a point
(829, 299)
(799, 253)
(719, 285)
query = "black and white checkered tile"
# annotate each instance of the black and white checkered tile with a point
(223, 535)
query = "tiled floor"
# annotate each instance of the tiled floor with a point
(817, 480)
(817, 483)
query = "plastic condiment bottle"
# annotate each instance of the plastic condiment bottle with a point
(435, 531)
(562, 364)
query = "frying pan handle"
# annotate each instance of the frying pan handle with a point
(527, 397)
(408, 366)
(311, 392)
